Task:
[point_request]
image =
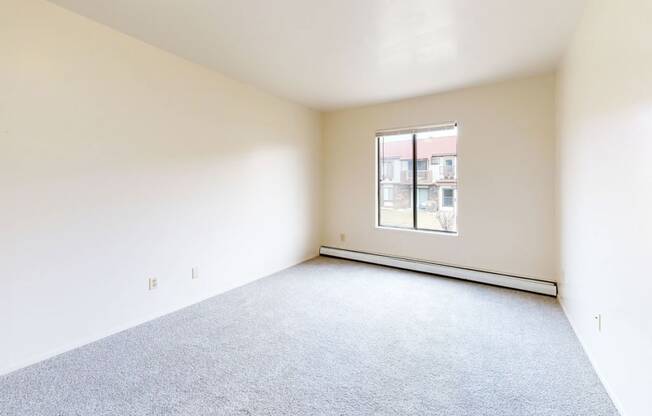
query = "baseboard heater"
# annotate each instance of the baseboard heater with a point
(521, 283)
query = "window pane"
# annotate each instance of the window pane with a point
(437, 183)
(395, 181)
(447, 200)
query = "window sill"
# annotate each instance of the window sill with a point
(411, 230)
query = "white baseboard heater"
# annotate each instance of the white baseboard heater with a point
(521, 283)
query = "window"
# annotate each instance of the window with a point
(424, 195)
(448, 199)
(388, 170)
(388, 194)
(449, 168)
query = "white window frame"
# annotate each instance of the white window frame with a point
(379, 201)
(441, 198)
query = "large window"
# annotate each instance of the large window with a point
(419, 195)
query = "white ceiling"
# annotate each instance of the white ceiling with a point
(330, 54)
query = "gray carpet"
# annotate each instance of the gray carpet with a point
(329, 337)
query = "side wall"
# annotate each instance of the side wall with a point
(605, 194)
(119, 162)
(505, 168)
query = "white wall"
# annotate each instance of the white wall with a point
(506, 177)
(118, 162)
(605, 194)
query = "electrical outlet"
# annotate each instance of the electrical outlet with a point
(598, 322)
(195, 273)
(153, 283)
(342, 237)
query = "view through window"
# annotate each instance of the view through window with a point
(422, 159)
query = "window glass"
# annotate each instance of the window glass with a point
(395, 208)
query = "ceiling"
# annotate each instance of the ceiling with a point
(330, 54)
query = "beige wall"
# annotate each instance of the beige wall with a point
(605, 198)
(506, 178)
(118, 162)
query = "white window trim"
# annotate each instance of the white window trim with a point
(377, 207)
(441, 198)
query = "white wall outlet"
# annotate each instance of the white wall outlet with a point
(342, 237)
(153, 283)
(598, 322)
(195, 273)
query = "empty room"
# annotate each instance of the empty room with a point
(325, 207)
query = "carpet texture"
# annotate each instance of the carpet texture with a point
(329, 337)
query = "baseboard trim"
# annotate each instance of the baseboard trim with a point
(542, 287)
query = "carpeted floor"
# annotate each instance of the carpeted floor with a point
(329, 337)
